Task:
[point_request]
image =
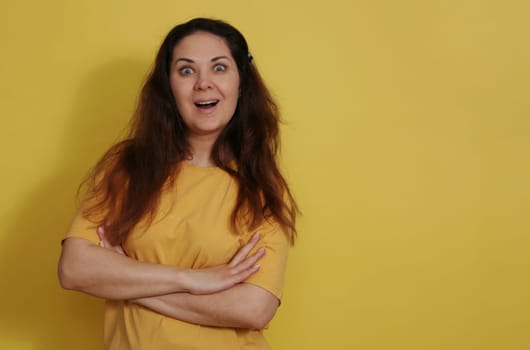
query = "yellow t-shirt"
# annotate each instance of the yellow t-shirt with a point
(191, 230)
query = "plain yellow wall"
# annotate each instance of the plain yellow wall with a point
(407, 142)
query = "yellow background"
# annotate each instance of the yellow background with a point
(406, 142)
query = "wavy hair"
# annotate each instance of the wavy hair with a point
(126, 184)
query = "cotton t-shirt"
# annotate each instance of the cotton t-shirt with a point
(190, 230)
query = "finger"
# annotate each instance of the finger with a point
(101, 236)
(243, 275)
(249, 262)
(120, 250)
(243, 252)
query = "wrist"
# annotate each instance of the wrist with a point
(181, 279)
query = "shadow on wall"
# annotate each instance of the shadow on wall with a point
(36, 312)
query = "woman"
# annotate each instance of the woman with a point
(186, 224)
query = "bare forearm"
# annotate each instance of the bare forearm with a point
(242, 306)
(107, 274)
(101, 272)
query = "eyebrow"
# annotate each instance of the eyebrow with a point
(219, 58)
(189, 60)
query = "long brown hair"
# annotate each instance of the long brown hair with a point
(126, 184)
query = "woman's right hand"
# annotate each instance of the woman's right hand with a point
(218, 278)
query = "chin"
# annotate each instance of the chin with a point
(205, 131)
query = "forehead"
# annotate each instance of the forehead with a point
(201, 45)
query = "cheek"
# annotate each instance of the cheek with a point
(180, 97)
(179, 88)
(233, 87)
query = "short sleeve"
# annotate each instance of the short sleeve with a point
(271, 274)
(82, 228)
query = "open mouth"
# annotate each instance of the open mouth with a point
(207, 104)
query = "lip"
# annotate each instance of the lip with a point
(206, 110)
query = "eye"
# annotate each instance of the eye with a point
(219, 68)
(186, 70)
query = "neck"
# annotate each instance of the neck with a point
(201, 150)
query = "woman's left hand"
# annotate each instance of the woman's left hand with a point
(104, 243)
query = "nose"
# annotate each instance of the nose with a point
(203, 82)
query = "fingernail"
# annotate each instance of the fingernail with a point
(257, 266)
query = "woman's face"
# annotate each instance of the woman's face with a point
(205, 83)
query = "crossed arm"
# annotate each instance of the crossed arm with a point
(212, 296)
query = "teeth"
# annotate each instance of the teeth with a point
(205, 103)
